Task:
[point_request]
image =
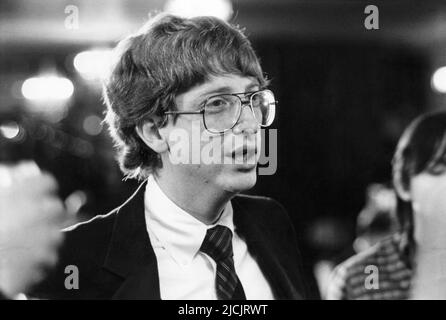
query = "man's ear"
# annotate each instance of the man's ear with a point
(149, 133)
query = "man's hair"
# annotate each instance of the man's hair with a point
(422, 148)
(166, 57)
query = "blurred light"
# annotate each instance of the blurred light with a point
(10, 130)
(21, 296)
(92, 125)
(192, 8)
(439, 80)
(328, 233)
(82, 148)
(386, 199)
(47, 88)
(40, 132)
(93, 64)
(75, 201)
(6, 176)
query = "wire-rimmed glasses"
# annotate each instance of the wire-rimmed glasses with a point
(222, 112)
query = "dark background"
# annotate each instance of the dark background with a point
(342, 109)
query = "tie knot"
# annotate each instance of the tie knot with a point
(217, 243)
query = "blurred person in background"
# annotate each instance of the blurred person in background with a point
(185, 233)
(411, 263)
(375, 222)
(31, 216)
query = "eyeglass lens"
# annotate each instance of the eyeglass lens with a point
(223, 111)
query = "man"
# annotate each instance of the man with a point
(30, 219)
(185, 233)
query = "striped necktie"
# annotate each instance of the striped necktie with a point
(217, 244)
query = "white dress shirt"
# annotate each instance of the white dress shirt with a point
(184, 271)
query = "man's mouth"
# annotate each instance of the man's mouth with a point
(244, 153)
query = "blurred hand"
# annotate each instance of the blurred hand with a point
(30, 219)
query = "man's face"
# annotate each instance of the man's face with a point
(224, 161)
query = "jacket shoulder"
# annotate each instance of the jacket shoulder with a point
(268, 217)
(84, 250)
(89, 236)
(276, 230)
(262, 208)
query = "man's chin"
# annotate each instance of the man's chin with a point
(241, 178)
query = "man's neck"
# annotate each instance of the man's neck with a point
(202, 201)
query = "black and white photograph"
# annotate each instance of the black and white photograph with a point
(222, 150)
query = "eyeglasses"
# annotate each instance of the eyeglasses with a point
(222, 112)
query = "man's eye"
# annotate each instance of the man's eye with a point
(218, 103)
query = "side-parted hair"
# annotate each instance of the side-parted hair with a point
(421, 148)
(166, 57)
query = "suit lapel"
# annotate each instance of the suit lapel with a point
(260, 247)
(130, 254)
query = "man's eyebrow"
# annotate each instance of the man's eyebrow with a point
(252, 86)
(223, 89)
(226, 89)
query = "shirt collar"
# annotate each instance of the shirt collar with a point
(176, 230)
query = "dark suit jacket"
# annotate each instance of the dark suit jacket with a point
(116, 260)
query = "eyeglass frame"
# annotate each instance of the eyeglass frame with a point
(242, 104)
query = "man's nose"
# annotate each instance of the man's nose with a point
(247, 122)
